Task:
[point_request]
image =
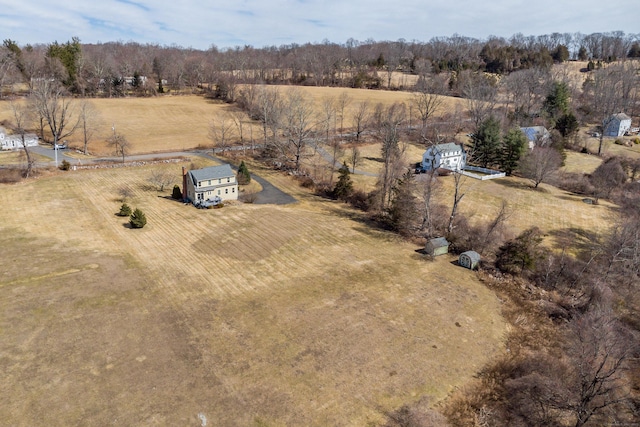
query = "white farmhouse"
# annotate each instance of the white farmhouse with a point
(617, 125)
(448, 156)
(13, 142)
(200, 185)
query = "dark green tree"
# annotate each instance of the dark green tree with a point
(567, 124)
(176, 193)
(486, 142)
(403, 211)
(125, 210)
(69, 55)
(244, 177)
(521, 253)
(557, 101)
(513, 145)
(560, 53)
(344, 187)
(138, 219)
(158, 70)
(634, 50)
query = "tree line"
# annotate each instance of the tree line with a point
(115, 68)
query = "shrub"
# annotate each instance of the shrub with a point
(244, 177)
(125, 210)
(138, 219)
(636, 140)
(10, 175)
(65, 165)
(177, 192)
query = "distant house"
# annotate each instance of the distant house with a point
(448, 156)
(469, 259)
(13, 142)
(200, 185)
(617, 125)
(536, 135)
(437, 246)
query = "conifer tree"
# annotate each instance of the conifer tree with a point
(138, 219)
(513, 145)
(244, 177)
(125, 210)
(344, 186)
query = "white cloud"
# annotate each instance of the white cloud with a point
(269, 22)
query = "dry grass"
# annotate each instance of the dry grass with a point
(250, 315)
(18, 158)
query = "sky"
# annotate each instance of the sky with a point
(225, 24)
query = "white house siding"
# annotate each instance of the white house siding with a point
(13, 142)
(225, 187)
(618, 125)
(449, 156)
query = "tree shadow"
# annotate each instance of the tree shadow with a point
(374, 159)
(573, 237)
(516, 184)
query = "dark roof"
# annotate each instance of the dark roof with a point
(212, 172)
(473, 255)
(439, 242)
(448, 147)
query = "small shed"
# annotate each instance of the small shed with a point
(469, 259)
(437, 246)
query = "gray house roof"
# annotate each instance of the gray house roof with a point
(621, 116)
(448, 147)
(533, 132)
(439, 242)
(212, 172)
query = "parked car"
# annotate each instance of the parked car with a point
(62, 146)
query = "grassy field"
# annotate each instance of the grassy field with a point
(248, 315)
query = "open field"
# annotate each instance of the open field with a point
(248, 315)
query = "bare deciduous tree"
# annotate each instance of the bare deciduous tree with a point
(22, 116)
(120, 144)
(55, 109)
(427, 103)
(354, 158)
(360, 118)
(88, 118)
(298, 124)
(343, 102)
(539, 164)
(221, 130)
(161, 178)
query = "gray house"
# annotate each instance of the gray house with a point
(536, 136)
(617, 125)
(437, 246)
(469, 259)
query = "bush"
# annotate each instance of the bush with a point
(125, 210)
(177, 192)
(244, 177)
(10, 175)
(138, 219)
(65, 165)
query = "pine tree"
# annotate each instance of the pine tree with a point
(125, 210)
(513, 145)
(486, 142)
(138, 219)
(177, 192)
(403, 212)
(244, 177)
(344, 186)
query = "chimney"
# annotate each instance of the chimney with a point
(184, 184)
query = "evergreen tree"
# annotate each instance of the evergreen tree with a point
(521, 253)
(403, 211)
(556, 103)
(138, 219)
(486, 142)
(567, 124)
(513, 145)
(125, 210)
(177, 192)
(244, 177)
(344, 186)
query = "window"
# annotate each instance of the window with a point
(233, 189)
(198, 183)
(226, 191)
(209, 182)
(219, 181)
(228, 179)
(218, 192)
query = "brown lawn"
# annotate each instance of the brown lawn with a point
(248, 315)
